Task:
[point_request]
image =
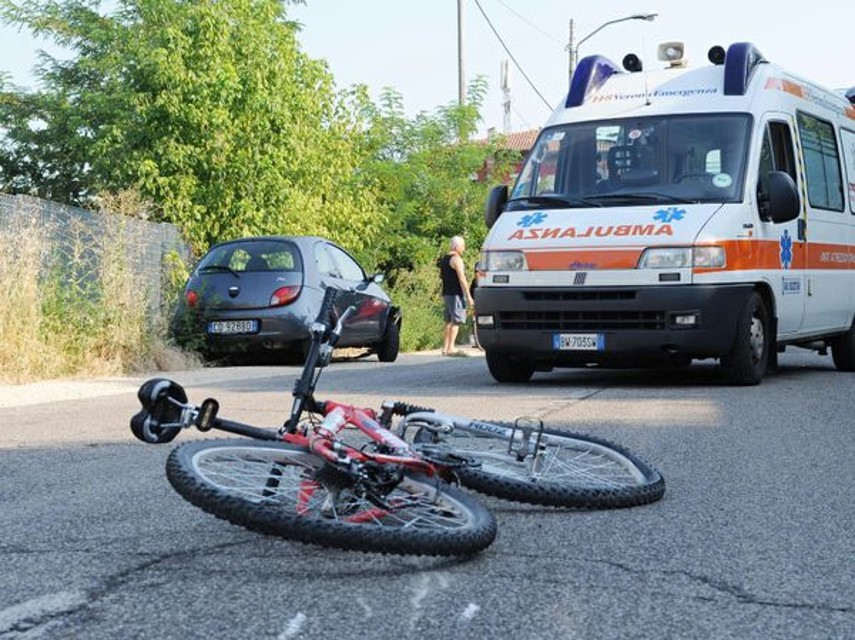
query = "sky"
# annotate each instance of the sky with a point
(412, 45)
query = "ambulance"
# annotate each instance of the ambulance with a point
(674, 215)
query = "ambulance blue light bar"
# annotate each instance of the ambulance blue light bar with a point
(739, 65)
(590, 74)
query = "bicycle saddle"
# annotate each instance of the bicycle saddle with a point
(160, 418)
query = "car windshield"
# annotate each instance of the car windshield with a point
(256, 255)
(692, 158)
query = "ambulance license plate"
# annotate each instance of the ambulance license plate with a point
(578, 342)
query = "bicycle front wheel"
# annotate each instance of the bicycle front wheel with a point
(571, 470)
(279, 489)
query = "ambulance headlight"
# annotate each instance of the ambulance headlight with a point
(682, 257)
(666, 258)
(503, 261)
(708, 257)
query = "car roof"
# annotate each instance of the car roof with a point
(302, 240)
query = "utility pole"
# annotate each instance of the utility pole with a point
(506, 93)
(571, 47)
(461, 76)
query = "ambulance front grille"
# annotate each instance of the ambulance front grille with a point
(577, 321)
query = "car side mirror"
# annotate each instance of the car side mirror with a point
(495, 204)
(377, 278)
(782, 202)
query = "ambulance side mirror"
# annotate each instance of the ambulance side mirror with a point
(495, 204)
(781, 203)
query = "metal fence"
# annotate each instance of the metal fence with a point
(69, 228)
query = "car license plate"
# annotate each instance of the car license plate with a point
(578, 342)
(230, 327)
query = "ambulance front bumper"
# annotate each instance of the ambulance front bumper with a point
(609, 325)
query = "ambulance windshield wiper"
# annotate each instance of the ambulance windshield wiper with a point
(555, 200)
(644, 196)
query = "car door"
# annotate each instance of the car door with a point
(366, 325)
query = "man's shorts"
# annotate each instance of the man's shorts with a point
(455, 309)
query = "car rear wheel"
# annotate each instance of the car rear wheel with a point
(388, 347)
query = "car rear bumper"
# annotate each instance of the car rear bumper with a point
(274, 332)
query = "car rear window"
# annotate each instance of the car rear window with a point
(258, 255)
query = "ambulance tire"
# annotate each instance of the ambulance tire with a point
(843, 350)
(505, 369)
(746, 362)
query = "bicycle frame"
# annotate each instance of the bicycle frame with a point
(323, 440)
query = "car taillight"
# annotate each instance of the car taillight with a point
(284, 295)
(191, 297)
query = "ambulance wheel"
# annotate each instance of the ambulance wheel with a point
(505, 369)
(843, 350)
(746, 362)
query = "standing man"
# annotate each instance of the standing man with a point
(455, 293)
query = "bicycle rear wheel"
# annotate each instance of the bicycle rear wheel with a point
(276, 488)
(574, 470)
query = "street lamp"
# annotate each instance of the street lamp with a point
(573, 48)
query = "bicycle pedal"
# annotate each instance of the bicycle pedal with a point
(526, 428)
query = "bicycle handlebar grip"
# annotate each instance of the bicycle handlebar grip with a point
(405, 409)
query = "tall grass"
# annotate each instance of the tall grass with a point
(75, 302)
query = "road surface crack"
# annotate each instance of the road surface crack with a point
(25, 617)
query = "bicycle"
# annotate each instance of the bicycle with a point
(311, 480)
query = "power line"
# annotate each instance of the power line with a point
(530, 23)
(513, 59)
(521, 117)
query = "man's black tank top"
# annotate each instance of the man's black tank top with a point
(450, 281)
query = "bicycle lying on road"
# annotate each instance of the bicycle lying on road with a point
(354, 478)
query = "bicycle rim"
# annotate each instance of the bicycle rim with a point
(276, 488)
(573, 470)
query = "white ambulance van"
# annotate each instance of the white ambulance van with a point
(673, 215)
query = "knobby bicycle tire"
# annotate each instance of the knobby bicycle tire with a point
(276, 489)
(578, 471)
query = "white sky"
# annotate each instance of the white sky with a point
(411, 45)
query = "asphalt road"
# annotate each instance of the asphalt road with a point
(753, 539)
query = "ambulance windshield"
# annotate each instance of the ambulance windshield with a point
(692, 158)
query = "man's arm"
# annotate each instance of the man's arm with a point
(457, 265)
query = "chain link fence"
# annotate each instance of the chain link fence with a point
(145, 244)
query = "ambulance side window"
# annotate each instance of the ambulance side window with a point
(822, 163)
(776, 154)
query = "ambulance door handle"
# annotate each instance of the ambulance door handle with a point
(802, 229)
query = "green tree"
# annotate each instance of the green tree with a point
(210, 109)
(433, 182)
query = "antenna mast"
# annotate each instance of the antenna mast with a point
(506, 97)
